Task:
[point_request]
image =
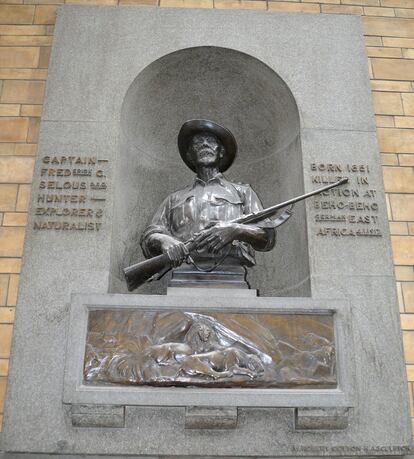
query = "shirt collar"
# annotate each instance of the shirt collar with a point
(218, 178)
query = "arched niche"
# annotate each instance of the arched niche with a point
(249, 98)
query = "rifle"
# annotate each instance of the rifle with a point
(154, 268)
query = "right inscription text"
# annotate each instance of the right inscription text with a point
(347, 211)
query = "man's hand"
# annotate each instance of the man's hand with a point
(218, 236)
(175, 249)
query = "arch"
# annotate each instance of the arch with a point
(246, 96)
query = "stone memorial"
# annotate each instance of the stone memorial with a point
(166, 315)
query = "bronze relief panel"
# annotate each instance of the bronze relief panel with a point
(214, 349)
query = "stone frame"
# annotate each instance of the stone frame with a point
(75, 392)
(82, 116)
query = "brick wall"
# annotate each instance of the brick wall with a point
(26, 34)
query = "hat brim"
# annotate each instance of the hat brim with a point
(192, 127)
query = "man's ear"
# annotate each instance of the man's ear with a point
(221, 152)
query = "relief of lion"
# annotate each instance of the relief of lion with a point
(222, 363)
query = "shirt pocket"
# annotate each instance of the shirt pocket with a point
(225, 208)
(182, 215)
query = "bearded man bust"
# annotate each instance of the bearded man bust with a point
(204, 210)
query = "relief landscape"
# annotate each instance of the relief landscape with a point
(214, 349)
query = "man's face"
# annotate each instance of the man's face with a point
(205, 150)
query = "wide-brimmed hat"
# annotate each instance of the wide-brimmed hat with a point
(192, 127)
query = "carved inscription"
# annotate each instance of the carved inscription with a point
(349, 211)
(71, 194)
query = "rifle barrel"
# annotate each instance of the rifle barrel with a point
(271, 210)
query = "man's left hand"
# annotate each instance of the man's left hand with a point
(215, 238)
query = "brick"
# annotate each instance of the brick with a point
(342, 9)
(17, 219)
(16, 169)
(384, 121)
(393, 69)
(388, 27)
(6, 331)
(361, 2)
(4, 285)
(408, 103)
(410, 372)
(45, 14)
(398, 3)
(392, 86)
(402, 206)
(4, 367)
(373, 51)
(408, 341)
(398, 228)
(241, 4)
(3, 384)
(15, 57)
(404, 13)
(403, 250)
(332, 2)
(44, 2)
(23, 197)
(23, 74)
(139, 2)
(398, 179)
(9, 110)
(404, 121)
(7, 149)
(93, 2)
(371, 74)
(406, 160)
(11, 2)
(387, 103)
(408, 53)
(373, 41)
(8, 196)
(11, 241)
(25, 40)
(407, 289)
(411, 228)
(400, 298)
(398, 42)
(10, 265)
(31, 110)
(44, 57)
(33, 132)
(377, 11)
(25, 149)
(24, 92)
(13, 290)
(407, 321)
(396, 140)
(291, 6)
(13, 129)
(387, 202)
(7, 315)
(389, 159)
(404, 273)
(22, 30)
(411, 398)
(16, 14)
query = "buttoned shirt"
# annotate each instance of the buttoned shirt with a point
(188, 211)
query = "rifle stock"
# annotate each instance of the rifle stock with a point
(156, 267)
(139, 273)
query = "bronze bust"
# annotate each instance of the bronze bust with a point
(205, 210)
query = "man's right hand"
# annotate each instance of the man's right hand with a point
(175, 249)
